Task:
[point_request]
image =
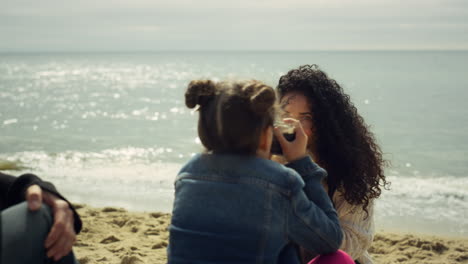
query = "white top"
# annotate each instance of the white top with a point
(358, 228)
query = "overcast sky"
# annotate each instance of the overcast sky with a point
(136, 25)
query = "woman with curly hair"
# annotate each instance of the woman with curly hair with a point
(232, 203)
(339, 141)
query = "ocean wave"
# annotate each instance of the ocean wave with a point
(43, 160)
(435, 204)
(141, 179)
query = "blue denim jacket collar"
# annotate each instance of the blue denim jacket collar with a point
(241, 168)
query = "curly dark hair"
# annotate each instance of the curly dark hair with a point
(344, 145)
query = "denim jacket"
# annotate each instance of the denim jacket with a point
(245, 209)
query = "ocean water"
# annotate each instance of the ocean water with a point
(112, 128)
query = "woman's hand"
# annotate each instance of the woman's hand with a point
(278, 158)
(296, 149)
(62, 235)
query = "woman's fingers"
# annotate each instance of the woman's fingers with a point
(34, 197)
(299, 130)
(300, 133)
(279, 135)
(61, 240)
(63, 246)
(298, 147)
(60, 223)
(63, 218)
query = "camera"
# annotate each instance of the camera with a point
(288, 133)
(275, 145)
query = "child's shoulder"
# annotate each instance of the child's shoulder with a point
(247, 168)
(285, 176)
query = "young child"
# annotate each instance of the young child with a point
(234, 205)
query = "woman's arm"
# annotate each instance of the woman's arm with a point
(14, 189)
(313, 222)
(67, 222)
(357, 225)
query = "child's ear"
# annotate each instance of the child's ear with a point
(264, 146)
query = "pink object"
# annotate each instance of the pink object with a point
(339, 257)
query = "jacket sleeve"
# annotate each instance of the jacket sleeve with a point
(313, 222)
(5, 182)
(13, 191)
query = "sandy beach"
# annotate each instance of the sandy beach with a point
(114, 235)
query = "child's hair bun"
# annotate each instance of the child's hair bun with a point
(262, 97)
(199, 92)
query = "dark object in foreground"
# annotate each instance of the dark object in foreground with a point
(275, 145)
